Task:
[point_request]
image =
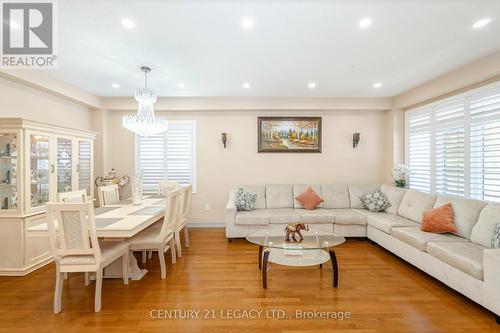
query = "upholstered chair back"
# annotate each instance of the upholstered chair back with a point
(72, 233)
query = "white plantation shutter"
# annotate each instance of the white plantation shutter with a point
(485, 147)
(449, 148)
(418, 145)
(151, 160)
(453, 147)
(168, 156)
(180, 152)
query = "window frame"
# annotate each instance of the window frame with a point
(468, 97)
(193, 125)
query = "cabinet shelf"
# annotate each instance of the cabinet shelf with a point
(37, 160)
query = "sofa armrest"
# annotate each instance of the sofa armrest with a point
(491, 290)
(230, 214)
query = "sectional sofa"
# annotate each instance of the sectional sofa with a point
(465, 261)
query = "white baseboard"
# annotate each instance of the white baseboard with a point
(26, 270)
(206, 225)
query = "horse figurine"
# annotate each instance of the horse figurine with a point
(292, 229)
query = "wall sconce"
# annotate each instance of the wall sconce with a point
(355, 139)
(224, 139)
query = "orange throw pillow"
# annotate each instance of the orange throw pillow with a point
(439, 220)
(309, 199)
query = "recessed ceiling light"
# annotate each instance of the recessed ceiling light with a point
(247, 23)
(365, 23)
(246, 85)
(128, 23)
(311, 85)
(115, 85)
(377, 85)
(13, 24)
(181, 85)
(481, 23)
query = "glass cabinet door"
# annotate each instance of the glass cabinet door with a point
(8, 171)
(64, 164)
(39, 161)
(84, 166)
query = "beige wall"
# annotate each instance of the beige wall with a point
(19, 101)
(220, 169)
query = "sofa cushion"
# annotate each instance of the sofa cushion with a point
(299, 189)
(252, 217)
(283, 216)
(356, 191)
(466, 256)
(414, 204)
(245, 200)
(279, 196)
(348, 216)
(375, 201)
(439, 220)
(385, 222)
(260, 190)
(308, 198)
(335, 196)
(495, 239)
(419, 239)
(316, 216)
(482, 233)
(394, 195)
(466, 212)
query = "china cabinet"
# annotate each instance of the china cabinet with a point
(37, 161)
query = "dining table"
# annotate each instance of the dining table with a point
(118, 222)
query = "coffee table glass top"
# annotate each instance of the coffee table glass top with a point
(313, 239)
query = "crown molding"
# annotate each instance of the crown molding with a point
(251, 104)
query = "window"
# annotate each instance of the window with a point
(168, 156)
(419, 149)
(453, 147)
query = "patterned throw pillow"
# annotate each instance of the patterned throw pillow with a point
(495, 240)
(375, 201)
(245, 200)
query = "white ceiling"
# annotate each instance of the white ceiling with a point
(201, 43)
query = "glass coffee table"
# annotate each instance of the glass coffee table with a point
(316, 248)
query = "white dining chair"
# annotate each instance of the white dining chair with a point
(160, 239)
(74, 244)
(185, 206)
(72, 197)
(108, 195)
(166, 186)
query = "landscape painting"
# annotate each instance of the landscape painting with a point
(289, 135)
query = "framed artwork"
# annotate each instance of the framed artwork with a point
(289, 134)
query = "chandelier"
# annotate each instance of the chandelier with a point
(144, 121)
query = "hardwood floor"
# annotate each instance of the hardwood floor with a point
(382, 293)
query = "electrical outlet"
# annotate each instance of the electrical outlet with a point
(207, 207)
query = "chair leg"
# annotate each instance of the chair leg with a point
(87, 279)
(58, 291)
(163, 266)
(172, 251)
(98, 289)
(150, 254)
(186, 236)
(143, 256)
(178, 243)
(125, 268)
